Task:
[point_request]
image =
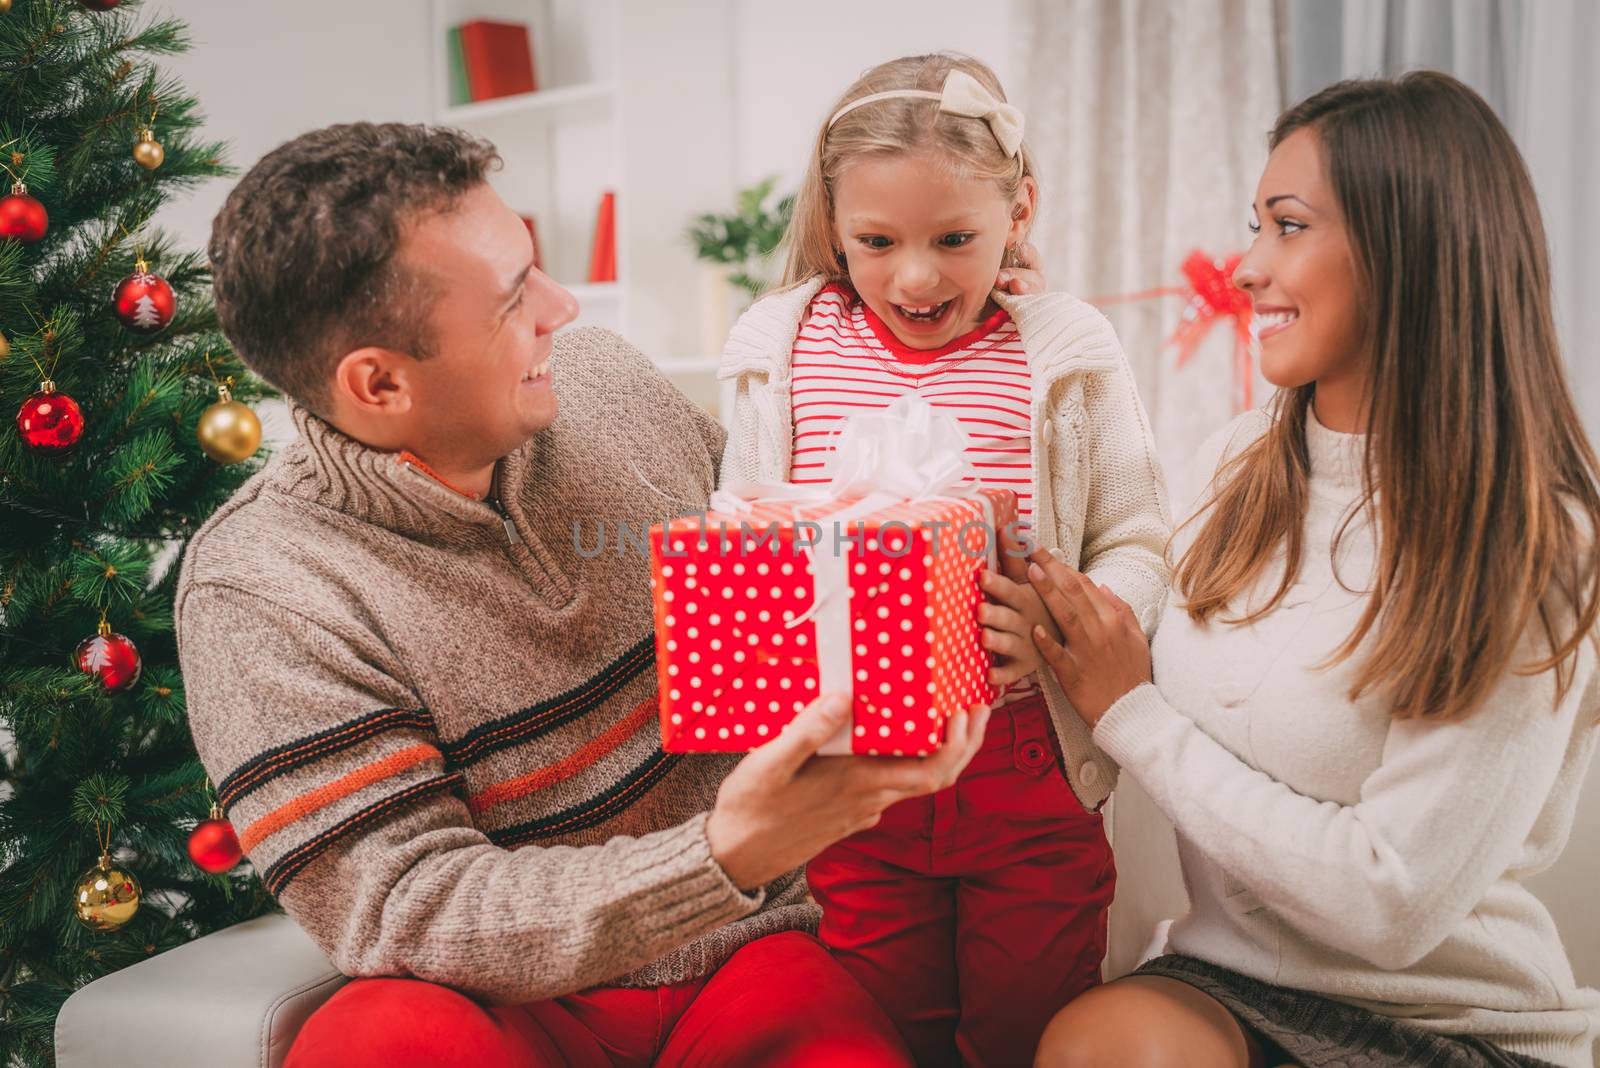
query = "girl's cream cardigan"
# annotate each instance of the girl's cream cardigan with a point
(1099, 499)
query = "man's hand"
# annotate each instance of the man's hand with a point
(784, 804)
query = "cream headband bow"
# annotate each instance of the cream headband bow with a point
(963, 95)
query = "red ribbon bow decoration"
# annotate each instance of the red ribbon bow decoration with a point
(1213, 297)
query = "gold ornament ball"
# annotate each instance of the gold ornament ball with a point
(5, 6)
(148, 152)
(229, 432)
(5, 346)
(106, 897)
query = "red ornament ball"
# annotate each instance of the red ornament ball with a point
(110, 657)
(214, 847)
(22, 218)
(144, 301)
(50, 422)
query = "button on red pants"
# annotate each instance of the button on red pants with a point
(976, 913)
(779, 1002)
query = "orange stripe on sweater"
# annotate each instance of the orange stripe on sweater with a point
(523, 785)
(342, 787)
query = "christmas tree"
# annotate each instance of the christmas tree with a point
(121, 445)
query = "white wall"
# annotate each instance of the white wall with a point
(792, 69)
(266, 72)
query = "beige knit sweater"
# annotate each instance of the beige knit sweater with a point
(435, 726)
(1098, 494)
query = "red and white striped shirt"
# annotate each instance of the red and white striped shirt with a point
(847, 360)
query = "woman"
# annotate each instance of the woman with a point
(1374, 693)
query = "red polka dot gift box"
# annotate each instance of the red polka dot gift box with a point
(760, 609)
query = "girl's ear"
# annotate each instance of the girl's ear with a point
(1022, 209)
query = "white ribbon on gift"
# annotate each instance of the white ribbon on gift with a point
(909, 451)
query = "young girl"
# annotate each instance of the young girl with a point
(974, 914)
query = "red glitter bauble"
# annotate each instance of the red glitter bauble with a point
(50, 422)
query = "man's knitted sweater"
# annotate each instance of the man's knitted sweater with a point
(433, 720)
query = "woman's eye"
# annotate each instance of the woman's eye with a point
(1289, 226)
(1254, 227)
(956, 240)
(875, 241)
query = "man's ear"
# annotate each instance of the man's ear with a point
(374, 381)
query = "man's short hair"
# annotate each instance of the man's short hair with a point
(303, 251)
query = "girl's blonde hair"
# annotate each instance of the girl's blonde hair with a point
(894, 127)
(1482, 480)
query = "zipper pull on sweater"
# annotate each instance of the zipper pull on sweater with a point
(512, 537)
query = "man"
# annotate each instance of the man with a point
(431, 719)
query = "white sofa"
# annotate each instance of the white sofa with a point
(234, 999)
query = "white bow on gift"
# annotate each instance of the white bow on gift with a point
(909, 451)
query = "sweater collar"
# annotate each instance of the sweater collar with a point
(393, 490)
(1059, 333)
(1336, 458)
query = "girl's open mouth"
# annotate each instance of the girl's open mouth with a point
(927, 317)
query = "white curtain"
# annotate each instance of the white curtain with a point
(1149, 122)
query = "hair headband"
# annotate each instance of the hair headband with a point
(963, 95)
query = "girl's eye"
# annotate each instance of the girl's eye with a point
(956, 240)
(875, 241)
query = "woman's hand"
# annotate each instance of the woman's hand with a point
(1105, 653)
(1026, 277)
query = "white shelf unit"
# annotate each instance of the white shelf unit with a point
(635, 97)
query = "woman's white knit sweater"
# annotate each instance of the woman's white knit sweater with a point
(1329, 847)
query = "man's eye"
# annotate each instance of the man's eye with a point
(956, 240)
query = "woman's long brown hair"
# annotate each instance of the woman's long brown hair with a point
(1477, 472)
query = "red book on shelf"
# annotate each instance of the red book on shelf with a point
(603, 256)
(498, 58)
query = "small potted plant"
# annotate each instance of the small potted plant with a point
(737, 250)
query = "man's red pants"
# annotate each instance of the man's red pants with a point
(780, 1001)
(976, 913)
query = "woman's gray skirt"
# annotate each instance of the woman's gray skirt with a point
(1320, 1033)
